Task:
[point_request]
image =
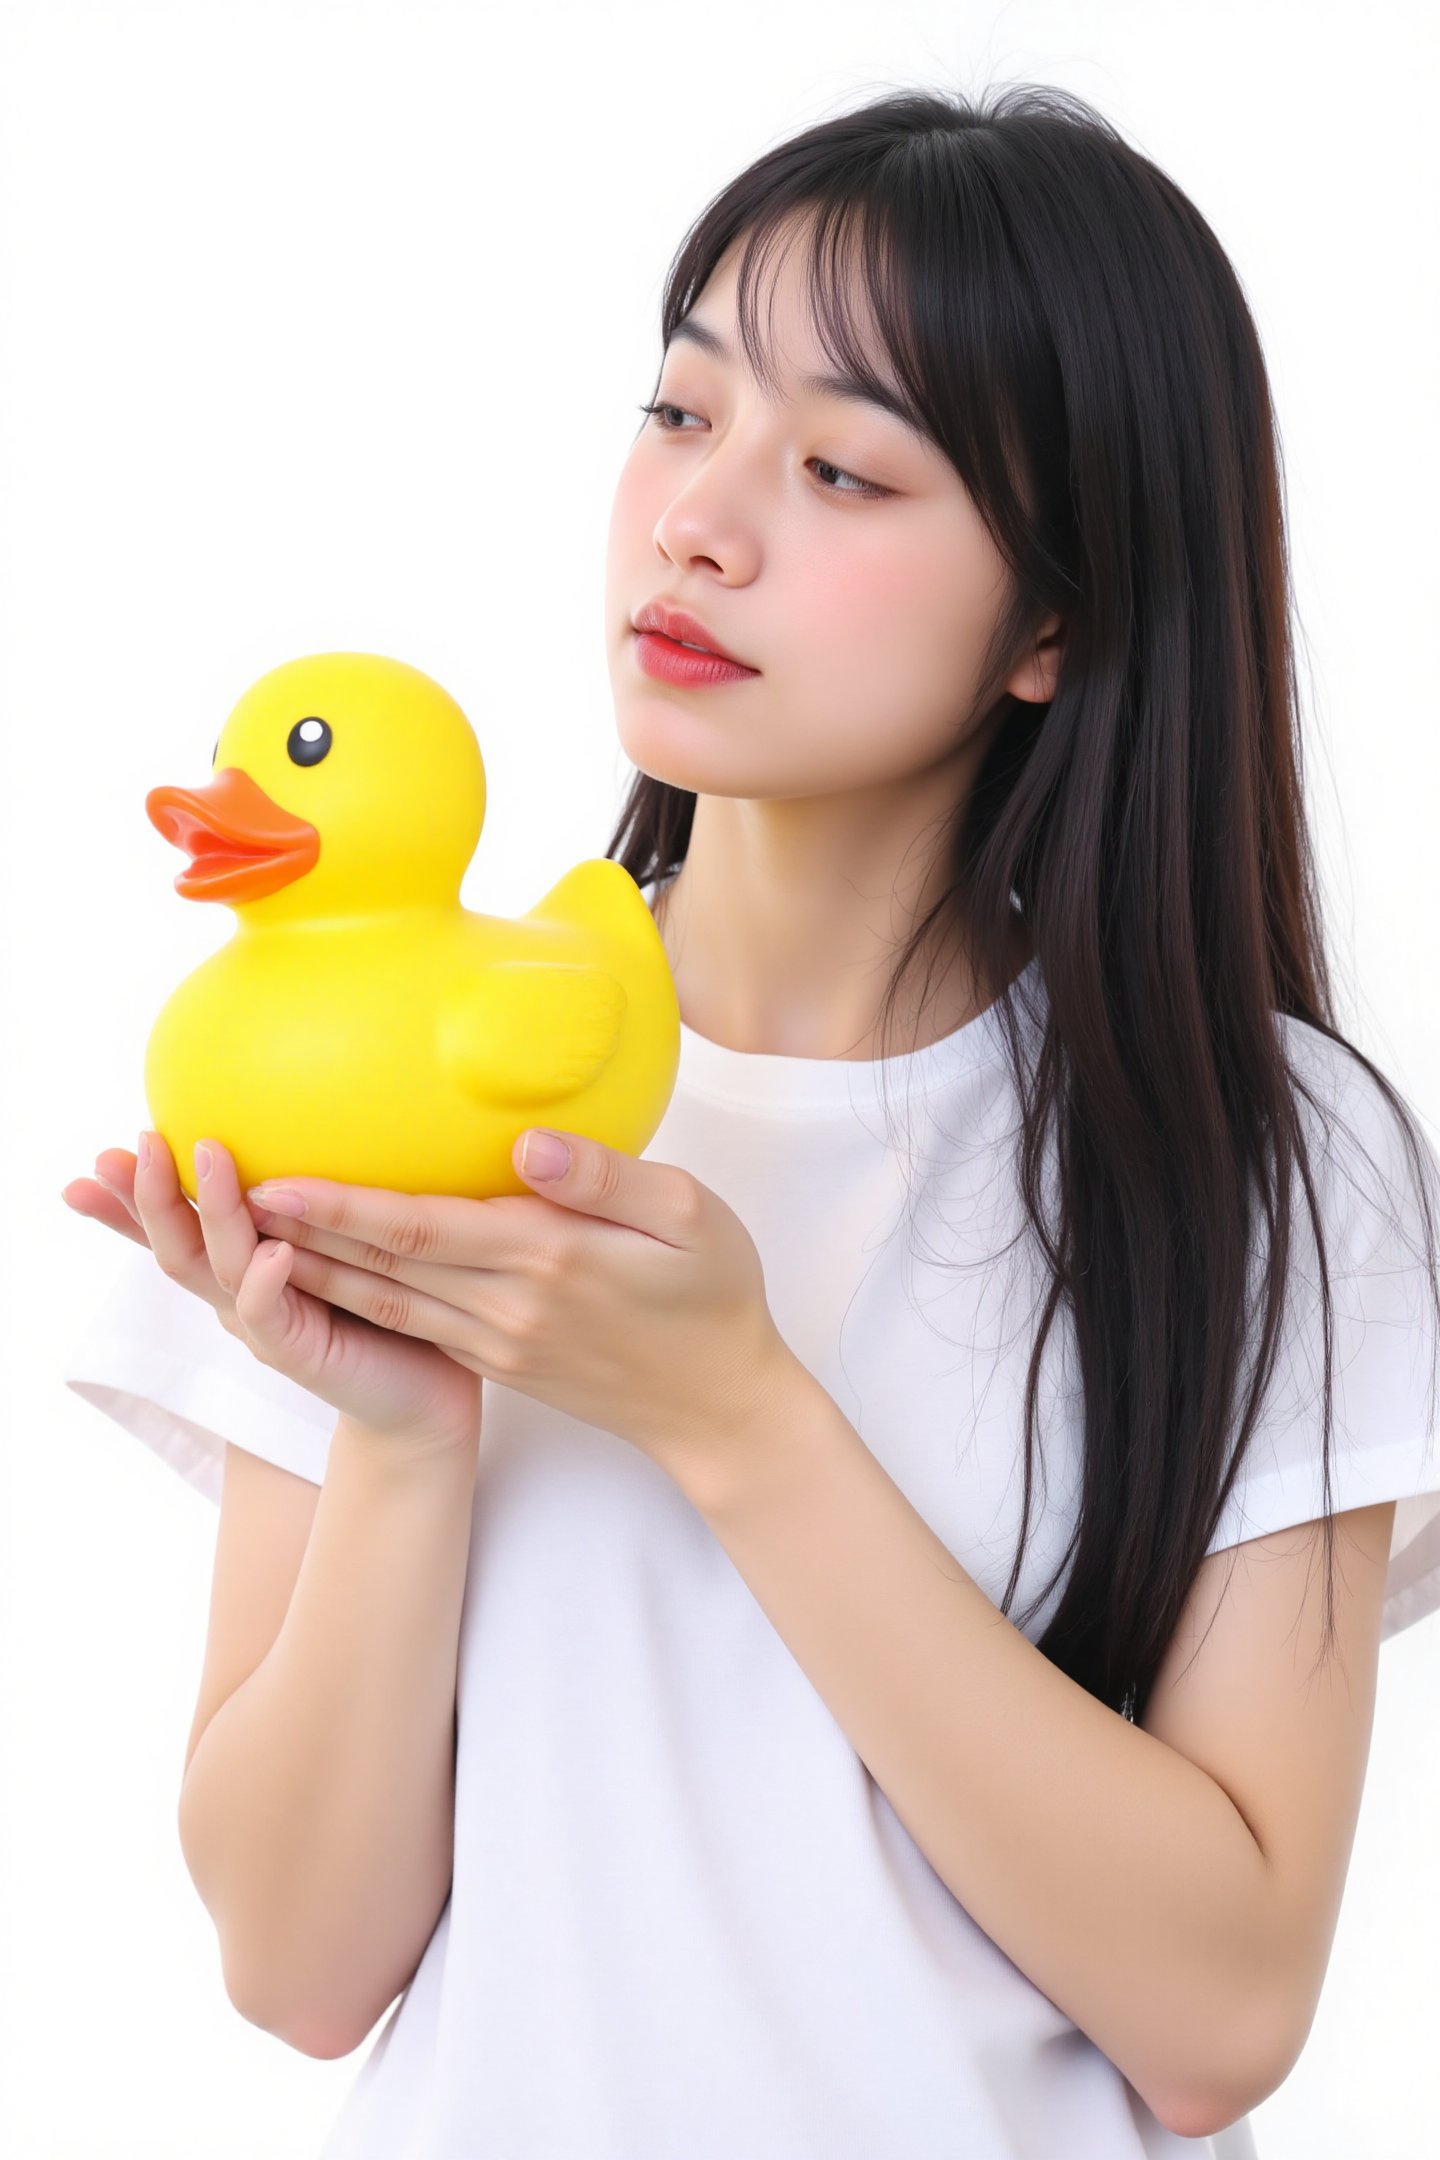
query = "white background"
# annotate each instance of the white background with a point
(324, 327)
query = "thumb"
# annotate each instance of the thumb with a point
(584, 1174)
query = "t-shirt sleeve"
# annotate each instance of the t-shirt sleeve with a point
(156, 1359)
(1383, 1442)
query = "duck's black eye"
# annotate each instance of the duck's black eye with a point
(309, 741)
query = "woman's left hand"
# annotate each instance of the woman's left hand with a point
(627, 1294)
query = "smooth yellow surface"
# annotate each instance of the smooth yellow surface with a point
(362, 1024)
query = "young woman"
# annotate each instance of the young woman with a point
(765, 1829)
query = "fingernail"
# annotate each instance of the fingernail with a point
(543, 1156)
(142, 1152)
(202, 1159)
(277, 1198)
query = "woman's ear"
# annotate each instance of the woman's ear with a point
(1034, 679)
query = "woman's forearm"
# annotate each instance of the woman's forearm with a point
(317, 1813)
(1113, 1871)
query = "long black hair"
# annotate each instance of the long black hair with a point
(1071, 335)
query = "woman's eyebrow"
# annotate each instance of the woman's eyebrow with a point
(821, 385)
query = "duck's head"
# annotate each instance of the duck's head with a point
(345, 783)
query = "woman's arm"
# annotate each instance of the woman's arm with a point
(1112, 1870)
(317, 1813)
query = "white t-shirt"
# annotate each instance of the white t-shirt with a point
(684, 1919)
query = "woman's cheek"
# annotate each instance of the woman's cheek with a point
(876, 618)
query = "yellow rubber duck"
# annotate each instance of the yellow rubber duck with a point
(361, 1024)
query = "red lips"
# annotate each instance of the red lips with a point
(687, 629)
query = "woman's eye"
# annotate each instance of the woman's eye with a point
(860, 487)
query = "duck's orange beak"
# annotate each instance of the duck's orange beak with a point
(244, 845)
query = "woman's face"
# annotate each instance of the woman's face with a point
(866, 614)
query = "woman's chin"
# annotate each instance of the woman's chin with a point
(660, 742)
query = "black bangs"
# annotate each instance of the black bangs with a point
(912, 256)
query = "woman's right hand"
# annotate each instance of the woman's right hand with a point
(391, 1383)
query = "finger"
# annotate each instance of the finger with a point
(270, 1317)
(93, 1198)
(439, 1227)
(115, 1170)
(170, 1222)
(433, 1277)
(225, 1225)
(390, 1304)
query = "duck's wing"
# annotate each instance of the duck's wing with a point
(530, 1031)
